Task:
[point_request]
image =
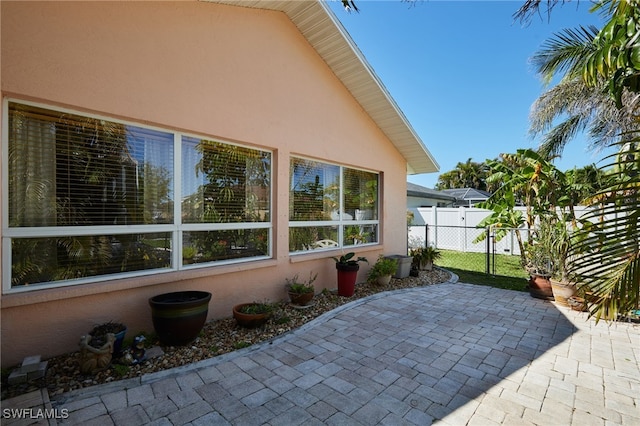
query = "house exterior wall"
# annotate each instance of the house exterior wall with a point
(416, 202)
(232, 73)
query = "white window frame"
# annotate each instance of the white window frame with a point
(341, 223)
(176, 228)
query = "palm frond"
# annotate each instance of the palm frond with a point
(606, 251)
(554, 141)
(581, 107)
(565, 53)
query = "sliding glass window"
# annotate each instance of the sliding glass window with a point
(91, 198)
(331, 206)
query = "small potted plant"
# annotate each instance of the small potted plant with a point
(562, 283)
(348, 268)
(382, 270)
(300, 292)
(538, 266)
(99, 335)
(98, 347)
(424, 257)
(254, 314)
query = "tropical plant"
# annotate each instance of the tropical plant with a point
(537, 259)
(605, 254)
(348, 259)
(606, 251)
(526, 178)
(616, 58)
(548, 254)
(424, 256)
(384, 266)
(579, 106)
(560, 238)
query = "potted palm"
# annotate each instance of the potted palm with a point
(424, 257)
(562, 284)
(301, 292)
(382, 270)
(348, 268)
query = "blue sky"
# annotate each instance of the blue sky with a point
(460, 72)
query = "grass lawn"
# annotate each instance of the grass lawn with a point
(471, 267)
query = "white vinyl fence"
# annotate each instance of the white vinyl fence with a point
(455, 228)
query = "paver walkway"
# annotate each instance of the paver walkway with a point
(449, 354)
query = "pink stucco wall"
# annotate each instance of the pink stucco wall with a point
(229, 72)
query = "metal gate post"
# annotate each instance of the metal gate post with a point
(488, 245)
(426, 235)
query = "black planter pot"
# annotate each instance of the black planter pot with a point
(178, 317)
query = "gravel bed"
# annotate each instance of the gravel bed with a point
(217, 337)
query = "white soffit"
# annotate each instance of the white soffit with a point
(325, 33)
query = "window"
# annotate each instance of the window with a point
(89, 198)
(331, 206)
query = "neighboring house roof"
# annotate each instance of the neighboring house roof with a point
(468, 193)
(414, 190)
(322, 29)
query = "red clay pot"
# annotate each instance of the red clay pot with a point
(347, 275)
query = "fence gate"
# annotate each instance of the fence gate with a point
(474, 249)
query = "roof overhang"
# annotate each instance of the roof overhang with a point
(322, 29)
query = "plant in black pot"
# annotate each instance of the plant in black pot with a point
(348, 268)
(301, 292)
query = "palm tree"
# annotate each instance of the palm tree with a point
(605, 252)
(469, 174)
(616, 59)
(580, 106)
(583, 108)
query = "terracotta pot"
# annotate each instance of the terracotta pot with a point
(347, 275)
(301, 299)
(562, 291)
(249, 320)
(178, 317)
(540, 287)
